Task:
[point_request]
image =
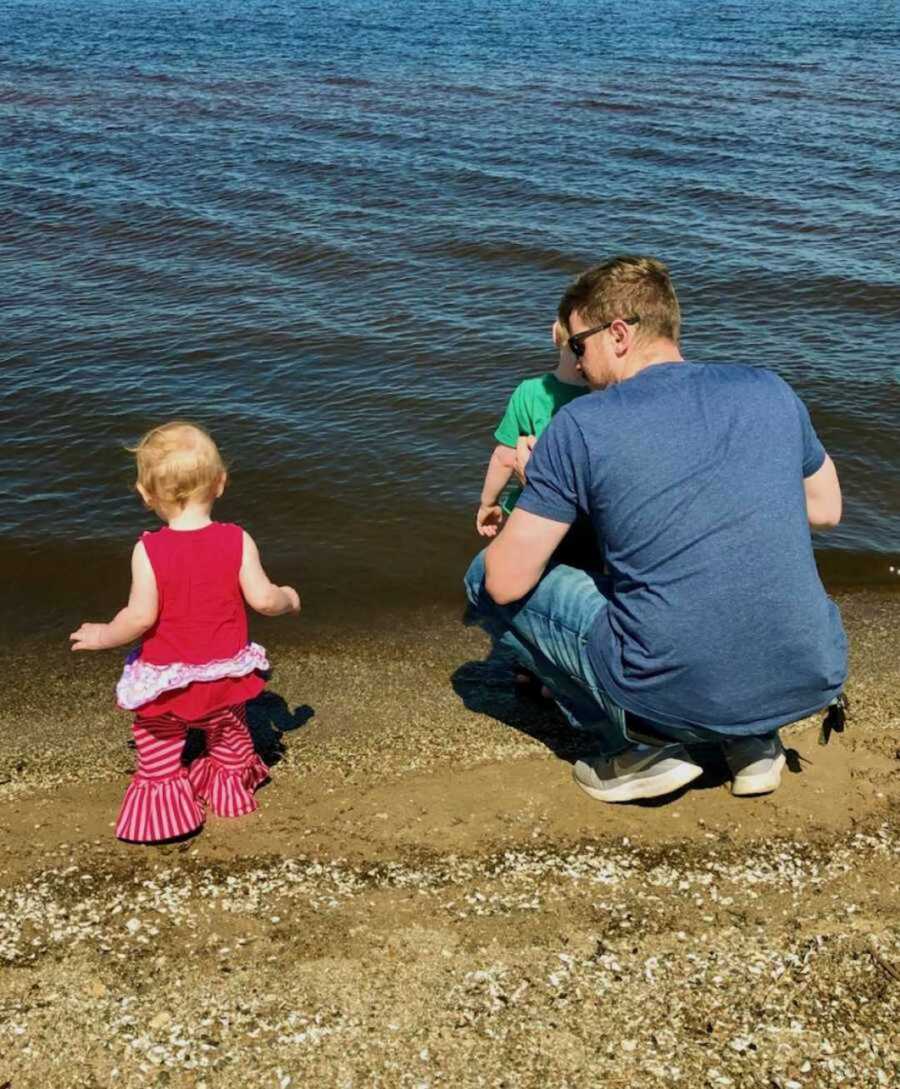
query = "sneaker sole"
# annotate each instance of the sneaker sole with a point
(764, 783)
(644, 788)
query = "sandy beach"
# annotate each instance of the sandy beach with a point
(337, 236)
(425, 899)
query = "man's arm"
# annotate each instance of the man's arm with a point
(557, 489)
(515, 561)
(823, 496)
(820, 479)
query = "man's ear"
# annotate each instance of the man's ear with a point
(623, 336)
(557, 333)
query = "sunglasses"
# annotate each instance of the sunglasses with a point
(576, 342)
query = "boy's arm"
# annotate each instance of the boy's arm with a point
(489, 518)
(259, 593)
(522, 456)
(499, 470)
(137, 617)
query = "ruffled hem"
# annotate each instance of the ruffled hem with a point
(229, 791)
(155, 810)
(142, 682)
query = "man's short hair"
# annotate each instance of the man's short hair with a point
(626, 287)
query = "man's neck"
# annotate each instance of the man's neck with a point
(660, 351)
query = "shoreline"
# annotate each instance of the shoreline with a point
(425, 898)
(345, 676)
(50, 590)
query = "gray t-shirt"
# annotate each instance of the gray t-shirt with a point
(692, 476)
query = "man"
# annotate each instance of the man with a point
(702, 482)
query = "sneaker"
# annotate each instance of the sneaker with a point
(640, 772)
(756, 764)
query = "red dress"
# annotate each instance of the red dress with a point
(196, 657)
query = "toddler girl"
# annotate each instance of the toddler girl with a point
(195, 667)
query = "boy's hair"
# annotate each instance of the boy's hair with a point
(625, 287)
(177, 462)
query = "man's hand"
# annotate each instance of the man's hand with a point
(90, 637)
(489, 519)
(523, 454)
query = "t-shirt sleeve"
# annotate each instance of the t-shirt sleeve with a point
(509, 429)
(813, 450)
(557, 473)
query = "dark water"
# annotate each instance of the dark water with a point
(336, 234)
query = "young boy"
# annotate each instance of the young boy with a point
(532, 405)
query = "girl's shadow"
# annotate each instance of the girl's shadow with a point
(268, 719)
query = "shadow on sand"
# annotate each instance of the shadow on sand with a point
(268, 719)
(488, 688)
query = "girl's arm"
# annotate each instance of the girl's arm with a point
(137, 617)
(500, 468)
(259, 593)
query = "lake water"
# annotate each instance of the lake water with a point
(336, 234)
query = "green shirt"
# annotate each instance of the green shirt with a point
(532, 406)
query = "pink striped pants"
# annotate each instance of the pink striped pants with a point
(164, 798)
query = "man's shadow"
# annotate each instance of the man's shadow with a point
(489, 688)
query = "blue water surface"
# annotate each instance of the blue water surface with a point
(337, 234)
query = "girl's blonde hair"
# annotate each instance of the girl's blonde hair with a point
(178, 462)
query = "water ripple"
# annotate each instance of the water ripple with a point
(337, 235)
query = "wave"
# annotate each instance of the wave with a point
(609, 105)
(507, 252)
(347, 81)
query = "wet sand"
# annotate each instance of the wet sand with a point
(425, 899)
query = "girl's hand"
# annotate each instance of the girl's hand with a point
(489, 519)
(90, 637)
(293, 597)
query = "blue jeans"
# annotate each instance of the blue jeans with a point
(547, 631)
